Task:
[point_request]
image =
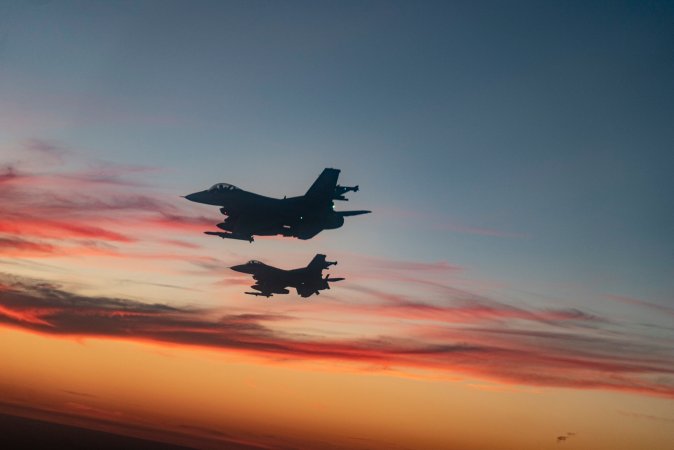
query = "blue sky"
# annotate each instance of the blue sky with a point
(549, 122)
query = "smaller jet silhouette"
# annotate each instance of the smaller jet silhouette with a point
(271, 280)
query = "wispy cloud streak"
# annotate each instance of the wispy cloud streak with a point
(642, 304)
(57, 207)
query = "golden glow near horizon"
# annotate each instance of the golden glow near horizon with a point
(184, 388)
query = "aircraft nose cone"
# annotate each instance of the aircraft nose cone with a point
(192, 197)
(239, 268)
(205, 197)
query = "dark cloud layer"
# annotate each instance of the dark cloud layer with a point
(544, 358)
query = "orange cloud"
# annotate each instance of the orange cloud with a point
(25, 315)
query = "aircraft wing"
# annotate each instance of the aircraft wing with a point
(260, 294)
(260, 223)
(271, 281)
(307, 232)
(267, 289)
(324, 186)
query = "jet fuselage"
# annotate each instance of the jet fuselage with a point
(272, 280)
(303, 216)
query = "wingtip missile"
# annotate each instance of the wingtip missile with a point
(327, 264)
(230, 236)
(341, 190)
(353, 213)
(331, 280)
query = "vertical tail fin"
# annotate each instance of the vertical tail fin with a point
(324, 186)
(319, 263)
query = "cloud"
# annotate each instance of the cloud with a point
(92, 411)
(541, 359)
(646, 416)
(166, 220)
(642, 303)
(24, 224)
(79, 394)
(14, 247)
(47, 151)
(179, 243)
(75, 208)
(162, 285)
(459, 307)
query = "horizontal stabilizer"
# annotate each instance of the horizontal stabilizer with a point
(341, 190)
(332, 280)
(352, 213)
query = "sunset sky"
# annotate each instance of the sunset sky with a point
(513, 288)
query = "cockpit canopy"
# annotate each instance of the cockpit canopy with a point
(223, 187)
(254, 261)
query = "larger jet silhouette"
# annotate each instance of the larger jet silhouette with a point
(303, 217)
(271, 280)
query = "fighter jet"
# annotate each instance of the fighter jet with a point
(271, 280)
(303, 217)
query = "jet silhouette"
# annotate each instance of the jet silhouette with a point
(303, 217)
(271, 280)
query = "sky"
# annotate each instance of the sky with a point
(512, 289)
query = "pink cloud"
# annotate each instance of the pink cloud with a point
(69, 212)
(465, 308)
(15, 247)
(642, 303)
(179, 243)
(24, 225)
